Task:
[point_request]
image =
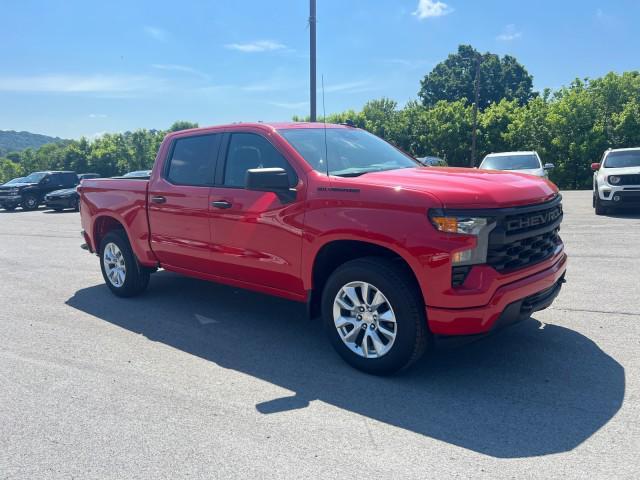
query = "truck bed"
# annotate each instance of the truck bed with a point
(121, 199)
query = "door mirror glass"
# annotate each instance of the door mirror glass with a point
(595, 167)
(549, 166)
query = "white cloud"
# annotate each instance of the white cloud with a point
(180, 68)
(156, 33)
(257, 46)
(97, 115)
(431, 8)
(55, 83)
(509, 34)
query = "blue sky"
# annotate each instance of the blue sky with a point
(72, 68)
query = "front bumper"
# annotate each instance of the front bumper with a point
(620, 197)
(510, 303)
(11, 201)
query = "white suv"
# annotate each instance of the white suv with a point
(521, 162)
(616, 180)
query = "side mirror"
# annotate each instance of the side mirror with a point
(549, 166)
(595, 166)
(270, 180)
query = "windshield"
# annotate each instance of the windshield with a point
(14, 181)
(623, 159)
(347, 152)
(34, 177)
(510, 162)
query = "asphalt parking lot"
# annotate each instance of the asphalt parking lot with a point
(197, 380)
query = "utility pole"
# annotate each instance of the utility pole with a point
(474, 135)
(312, 58)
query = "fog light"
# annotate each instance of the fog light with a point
(462, 257)
(616, 198)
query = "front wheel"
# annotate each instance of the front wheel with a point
(600, 209)
(121, 271)
(374, 316)
(29, 202)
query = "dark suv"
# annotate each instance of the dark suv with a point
(30, 192)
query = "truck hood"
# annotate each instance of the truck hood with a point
(466, 187)
(16, 185)
(622, 171)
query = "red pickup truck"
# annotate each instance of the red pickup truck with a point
(389, 252)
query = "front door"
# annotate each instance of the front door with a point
(179, 203)
(257, 237)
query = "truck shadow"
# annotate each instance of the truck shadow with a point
(530, 390)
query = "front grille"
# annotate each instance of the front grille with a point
(523, 253)
(629, 180)
(524, 236)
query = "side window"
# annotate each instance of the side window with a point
(51, 180)
(193, 160)
(70, 179)
(248, 150)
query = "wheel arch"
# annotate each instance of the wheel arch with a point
(333, 253)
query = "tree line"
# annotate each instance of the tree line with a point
(570, 127)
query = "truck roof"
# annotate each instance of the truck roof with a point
(265, 126)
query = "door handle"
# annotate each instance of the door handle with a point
(221, 204)
(158, 199)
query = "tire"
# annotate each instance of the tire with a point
(116, 255)
(75, 204)
(30, 202)
(402, 301)
(600, 210)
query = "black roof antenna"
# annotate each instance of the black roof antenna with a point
(324, 121)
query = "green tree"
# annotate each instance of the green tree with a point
(454, 79)
(182, 125)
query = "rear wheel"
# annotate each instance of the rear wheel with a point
(121, 271)
(29, 202)
(75, 204)
(374, 316)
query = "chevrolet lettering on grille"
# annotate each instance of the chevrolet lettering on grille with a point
(535, 220)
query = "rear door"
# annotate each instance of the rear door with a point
(179, 203)
(257, 237)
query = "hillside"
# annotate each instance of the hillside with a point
(11, 141)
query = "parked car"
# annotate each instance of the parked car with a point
(138, 174)
(14, 181)
(432, 161)
(31, 192)
(389, 253)
(59, 200)
(521, 162)
(616, 180)
(82, 176)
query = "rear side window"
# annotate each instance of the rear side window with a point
(247, 151)
(69, 179)
(193, 160)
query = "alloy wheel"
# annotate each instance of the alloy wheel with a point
(364, 319)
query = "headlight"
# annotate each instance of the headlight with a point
(463, 225)
(613, 179)
(479, 227)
